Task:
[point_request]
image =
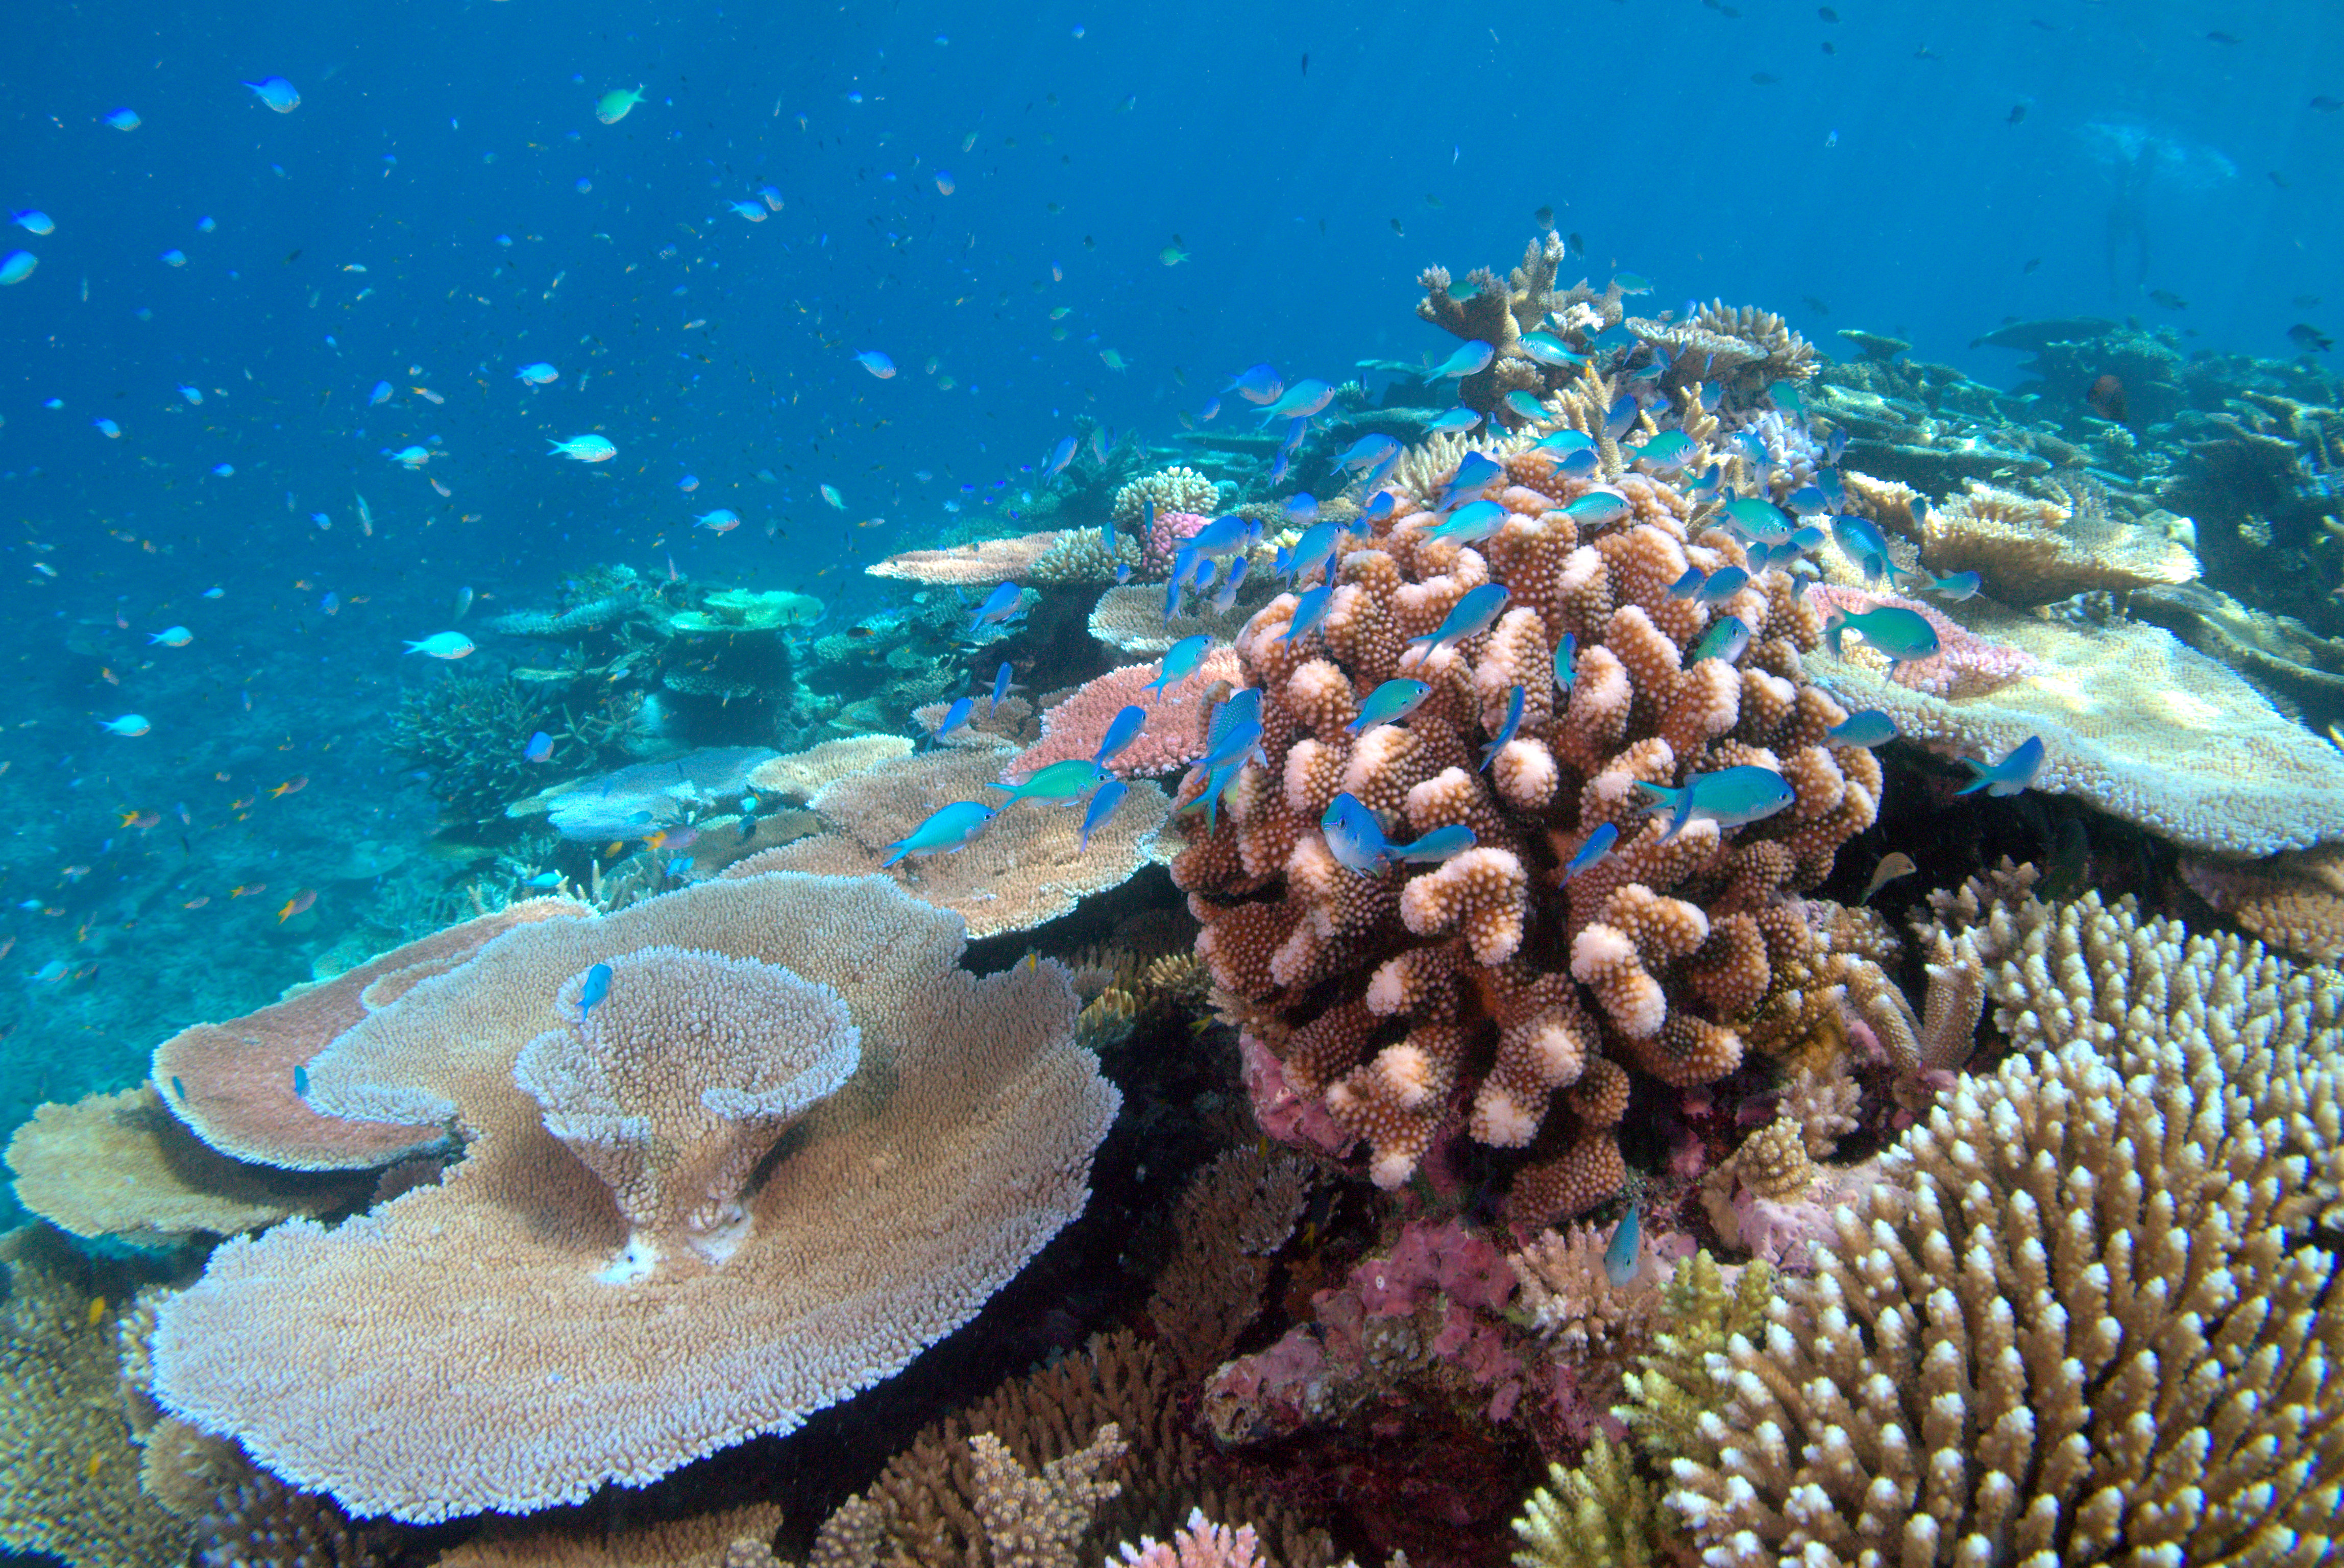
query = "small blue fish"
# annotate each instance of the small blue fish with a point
(1528, 407)
(1471, 523)
(1959, 586)
(1903, 635)
(1470, 359)
(1382, 470)
(1760, 519)
(300, 1081)
(1471, 616)
(33, 220)
(1869, 728)
(1357, 839)
(1807, 499)
(1060, 456)
(544, 879)
(1220, 536)
(1727, 638)
(945, 830)
(1302, 510)
(223, 471)
(1281, 465)
(1623, 1254)
(1000, 605)
(1202, 578)
(1669, 450)
(1389, 704)
(1579, 464)
(1001, 682)
(592, 989)
(1688, 585)
(1301, 400)
(538, 749)
(955, 717)
(18, 266)
(381, 394)
(2010, 776)
(1599, 844)
(1374, 512)
(1313, 550)
(1621, 418)
(1460, 418)
(1120, 734)
(1859, 538)
(1102, 804)
(1549, 349)
(276, 93)
(1260, 384)
(124, 120)
(1722, 584)
(877, 363)
(1058, 783)
(1364, 452)
(1227, 599)
(1217, 784)
(178, 1089)
(1475, 472)
(1805, 541)
(1566, 661)
(1597, 507)
(1308, 610)
(1562, 443)
(1505, 731)
(1729, 797)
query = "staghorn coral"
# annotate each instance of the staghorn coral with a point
(922, 1508)
(1601, 1515)
(2032, 551)
(1571, 1299)
(2078, 1329)
(1172, 738)
(1386, 994)
(1741, 347)
(2098, 971)
(1200, 1544)
(2133, 722)
(1025, 868)
(896, 1206)
(1236, 1214)
(120, 1165)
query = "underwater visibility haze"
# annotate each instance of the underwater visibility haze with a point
(1226, 784)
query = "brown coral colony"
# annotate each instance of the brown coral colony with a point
(1494, 994)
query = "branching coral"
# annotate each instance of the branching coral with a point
(1404, 996)
(1176, 488)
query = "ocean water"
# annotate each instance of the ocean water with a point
(1048, 219)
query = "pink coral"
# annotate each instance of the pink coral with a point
(1964, 665)
(1201, 1544)
(1172, 737)
(1171, 527)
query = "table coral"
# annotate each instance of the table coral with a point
(1172, 738)
(1026, 866)
(979, 563)
(1492, 985)
(898, 1205)
(2134, 723)
(2032, 551)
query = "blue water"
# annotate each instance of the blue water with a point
(443, 207)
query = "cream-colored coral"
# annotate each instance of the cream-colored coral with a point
(979, 563)
(2079, 1330)
(2032, 551)
(1026, 866)
(2293, 902)
(718, 1539)
(1572, 1301)
(120, 1165)
(2132, 722)
(897, 1205)
(1176, 488)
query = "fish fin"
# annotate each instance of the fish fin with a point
(1981, 777)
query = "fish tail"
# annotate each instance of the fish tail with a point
(1831, 630)
(1982, 776)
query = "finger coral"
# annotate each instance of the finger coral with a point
(505, 1340)
(1399, 996)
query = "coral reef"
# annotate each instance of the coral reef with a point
(2294, 903)
(2031, 550)
(961, 1144)
(1027, 867)
(1176, 488)
(1383, 994)
(2132, 722)
(1172, 738)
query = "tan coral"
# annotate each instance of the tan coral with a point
(1174, 489)
(2134, 723)
(702, 1540)
(120, 1165)
(2032, 551)
(979, 563)
(1026, 867)
(895, 1207)
(2293, 902)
